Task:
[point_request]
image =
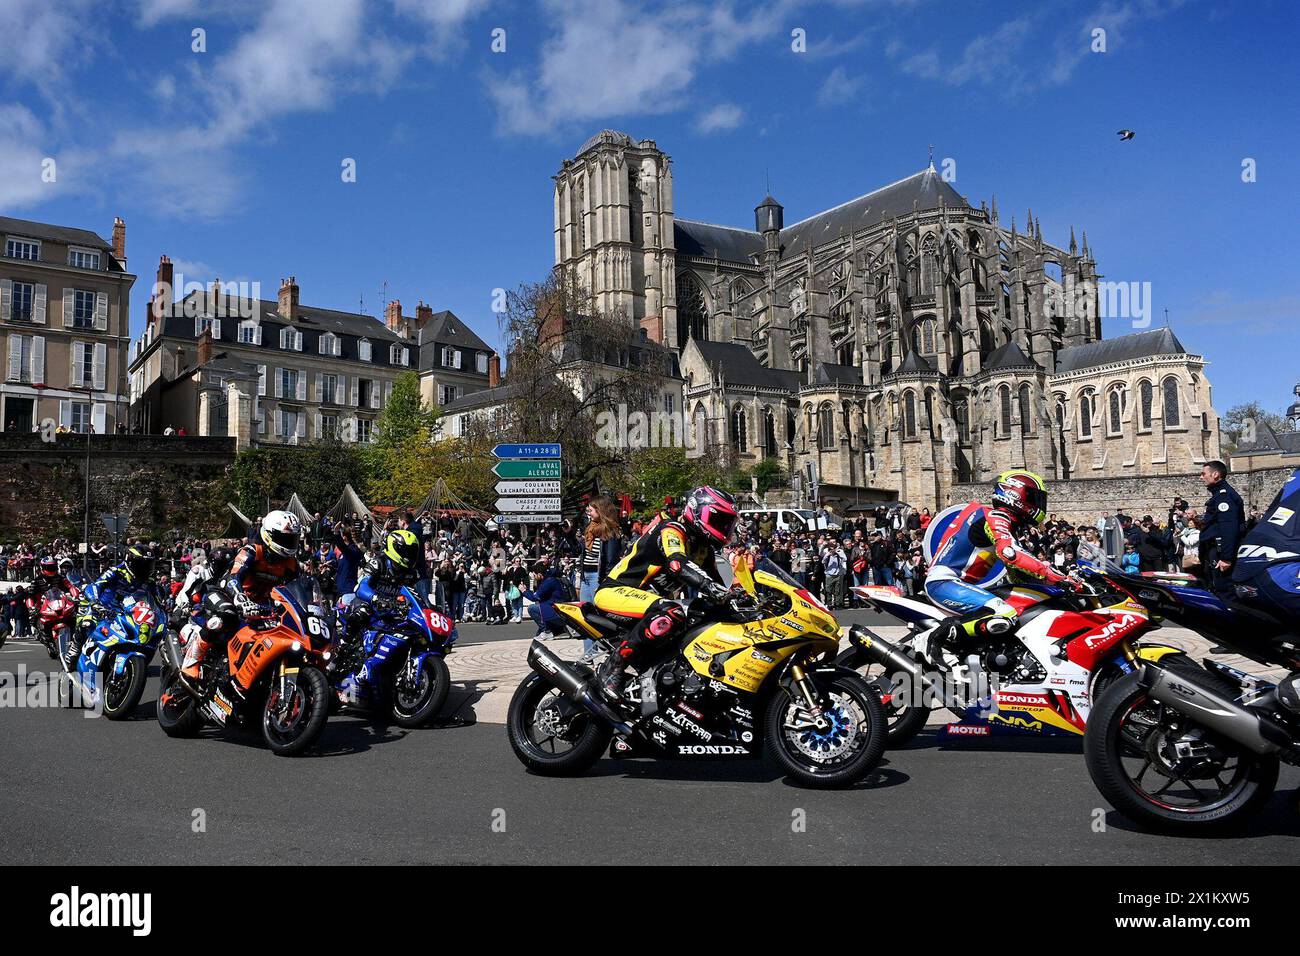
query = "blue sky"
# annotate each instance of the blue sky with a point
(229, 160)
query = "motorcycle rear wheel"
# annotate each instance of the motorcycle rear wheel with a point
(293, 730)
(1123, 725)
(178, 712)
(536, 735)
(121, 694)
(416, 706)
(844, 754)
(905, 719)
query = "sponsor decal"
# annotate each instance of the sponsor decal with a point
(684, 722)
(703, 750)
(757, 655)
(792, 624)
(694, 713)
(746, 737)
(1119, 626)
(1281, 516)
(967, 730)
(1025, 700)
(660, 722)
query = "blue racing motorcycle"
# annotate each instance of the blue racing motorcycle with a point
(398, 663)
(114, 661)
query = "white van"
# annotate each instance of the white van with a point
(795, 519)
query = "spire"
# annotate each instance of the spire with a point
(1013, 227)
(1086, 253)
(1074, 247)
(1038, 231)
(931, 157)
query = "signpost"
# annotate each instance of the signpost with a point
(530, 485)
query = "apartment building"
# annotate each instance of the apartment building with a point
(64, 312)
(454, 361)
(222, 361)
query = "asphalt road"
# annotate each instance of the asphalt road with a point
(81, 790)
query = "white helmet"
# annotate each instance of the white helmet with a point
(281, 533)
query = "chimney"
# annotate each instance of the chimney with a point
(494, 370)
(288, 299)
(163, 293)
(119, 240)
(423, 315)
(393, 315)
(205, 347)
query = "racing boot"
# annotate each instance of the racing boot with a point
(970, 633)
(195, 652)
(76, 640)
(612, 673)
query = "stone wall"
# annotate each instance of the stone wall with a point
(162, 482)
(1084, 499)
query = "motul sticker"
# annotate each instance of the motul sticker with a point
(967, 730)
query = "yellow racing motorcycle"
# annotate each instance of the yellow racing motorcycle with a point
(753, 675)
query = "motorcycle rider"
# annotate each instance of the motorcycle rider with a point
(1267, 571)
(973, 546)
(256, 569)
(677, 552)
(204, 569)
(50, 575)
(135, 572)
(377, 592)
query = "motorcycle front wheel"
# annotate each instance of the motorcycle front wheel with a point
(123, 691)
(1129, 747)
(845, 748)
(549, 734)
(416, 702)
(293, 721)
(178, 712)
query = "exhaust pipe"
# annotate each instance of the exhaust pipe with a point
(1253, 729)
(573, 685)
(881, 651)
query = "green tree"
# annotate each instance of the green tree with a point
(1237, 423)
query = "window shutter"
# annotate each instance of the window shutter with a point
(318, 431)
(319, 387)
(321, 343)
(457, 356)
(76, 356)
(97, 418)
(7, 298)
(38, 304)
(275, 423)
(352, 396)
(38, 360)
(261, 380)
(279, 383)
(65, 413)
(100, 361)
(297, 341)
(257, 336)
(216, 329)
(374, 393)
(101, 311)
(302, 387)
(15, 357)
(69, 298)
(198, 326)
(388, 392)
(302, 425)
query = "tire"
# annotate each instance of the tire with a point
(435, 681)
(122, 695)
(303, 729)
(806, 769)
(903, 721)
(179, 716)
(1104, 752)
(588, 736)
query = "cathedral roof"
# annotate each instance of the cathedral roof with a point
(721, 242)
(829, 374)
(914, 362)
(739, 366)
(1009, 356)
(612, 136)
(925, 190)
(1120, 349)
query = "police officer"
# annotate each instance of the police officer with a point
(1222, 520)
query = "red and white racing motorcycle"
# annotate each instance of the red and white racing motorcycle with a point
(1040, 680)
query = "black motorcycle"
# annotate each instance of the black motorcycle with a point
(1195, 752)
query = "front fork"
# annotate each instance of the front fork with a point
(804, 690)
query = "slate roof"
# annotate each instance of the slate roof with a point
(44, 230)
(914, 363)
(923, 190)
(446, 328)
(1267, 440)
(740, 367)
(1120, 349)
(830, 374)
(1009, 356)
(309, 317)
(614, 135)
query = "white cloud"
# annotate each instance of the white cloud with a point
(839, 87)
(21, 155)
(608, 59)
(722, 117)
(41, 41)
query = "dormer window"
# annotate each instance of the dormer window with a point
(328, 344)
(250, 333)
(290, 339)
(203, 323)
(83, 258)
(450, 357)
(363, 350)
(27, 249)
(397, 355)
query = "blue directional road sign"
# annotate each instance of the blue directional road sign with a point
(542, 450)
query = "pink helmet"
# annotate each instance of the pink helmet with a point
(712, 513)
